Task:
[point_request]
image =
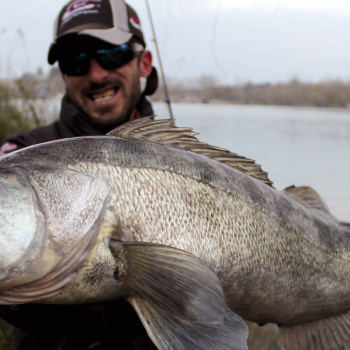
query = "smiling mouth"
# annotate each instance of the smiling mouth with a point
(103, 96)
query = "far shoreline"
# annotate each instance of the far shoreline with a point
(254, 105)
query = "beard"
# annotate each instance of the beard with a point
(111, 114)
(107, 116)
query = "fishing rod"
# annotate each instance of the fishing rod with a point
(167, 97)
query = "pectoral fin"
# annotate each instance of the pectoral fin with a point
(179, 299)
(327, 334)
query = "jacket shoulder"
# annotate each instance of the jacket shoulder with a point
(41, 134)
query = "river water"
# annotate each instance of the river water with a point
(295, 145)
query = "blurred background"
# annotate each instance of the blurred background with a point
(234, 41)
(268, 79)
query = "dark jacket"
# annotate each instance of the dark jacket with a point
(74, 327)
(73, 122)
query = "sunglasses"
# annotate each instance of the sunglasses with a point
(109, 59)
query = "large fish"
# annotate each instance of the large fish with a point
(192, 243)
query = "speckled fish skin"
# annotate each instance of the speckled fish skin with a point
(278, 261)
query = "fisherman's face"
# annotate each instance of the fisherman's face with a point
(109, 96)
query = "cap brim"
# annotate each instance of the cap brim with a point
(115, 36)
(52, 55)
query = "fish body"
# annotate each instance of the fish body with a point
(278, 259)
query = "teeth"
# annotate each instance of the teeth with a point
(103, 96)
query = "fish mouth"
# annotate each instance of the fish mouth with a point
(103, 95)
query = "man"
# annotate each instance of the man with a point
(101, 53)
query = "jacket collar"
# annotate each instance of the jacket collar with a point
(82, 125)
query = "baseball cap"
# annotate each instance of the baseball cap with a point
(112, 21)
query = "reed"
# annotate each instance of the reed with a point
(18, 112)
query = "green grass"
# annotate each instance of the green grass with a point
(18, 112)
(5, 335)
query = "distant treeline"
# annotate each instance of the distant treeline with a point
(331, 93)
(334, 93)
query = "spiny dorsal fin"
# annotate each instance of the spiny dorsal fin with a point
(164, 132)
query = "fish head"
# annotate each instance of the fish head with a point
(22, 231)
(49, 220)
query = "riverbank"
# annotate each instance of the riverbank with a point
(228, 103)
(207, 89)
(327, 94)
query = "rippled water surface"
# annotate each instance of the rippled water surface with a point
(300, 146)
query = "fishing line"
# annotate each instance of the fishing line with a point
(275, 10)
(198, 66)
(189, 47)
(184, 13)
(3, 31)
(21, 34)
(166, 28)
(215, 24)
(184, 40)
(167, 98)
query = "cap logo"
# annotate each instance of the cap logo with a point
(135, 23)
(80, 7)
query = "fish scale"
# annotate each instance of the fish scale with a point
(182, 237)
(196, 239)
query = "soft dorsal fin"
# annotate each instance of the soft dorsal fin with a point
(307, 195)
(164, 132)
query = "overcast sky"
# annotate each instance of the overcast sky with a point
(234, 40)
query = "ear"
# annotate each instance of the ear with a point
(64, 78)
(145, 64)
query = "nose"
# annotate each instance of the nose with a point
(96, 73)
